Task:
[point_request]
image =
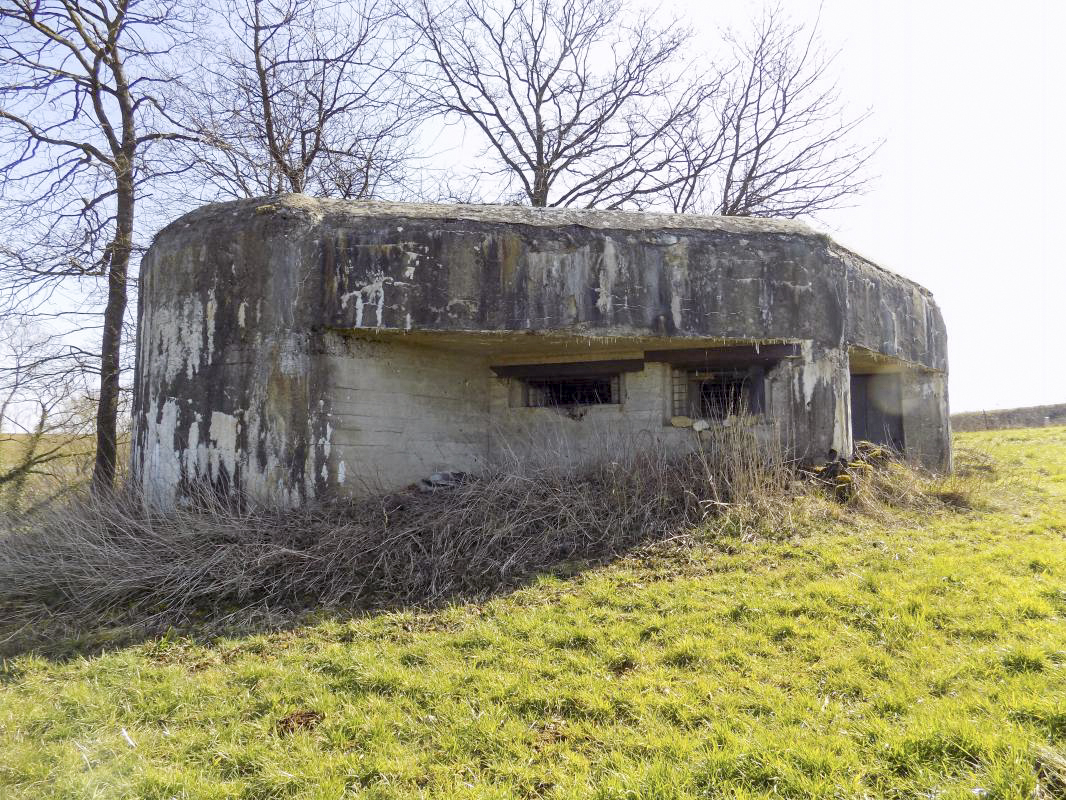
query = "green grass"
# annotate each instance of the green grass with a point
(919, 656)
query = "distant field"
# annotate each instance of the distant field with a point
(13, 444)
(70, 468)
(1029, 417)
(910, 657)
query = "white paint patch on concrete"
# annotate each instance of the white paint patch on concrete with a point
(223, 436)
(411, 259)
(326, 442)
(842, 439)
(194, 458)
(809, 375)
(163, 463)
(209, 321)
(178, 339)
(358, 306)
(766, 300)
(292, 357)
(380, 305)
(676, 257)
(370, 294)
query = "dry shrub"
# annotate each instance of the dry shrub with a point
(883, 483)
(90, 558)
(97, 560)
(756, 485)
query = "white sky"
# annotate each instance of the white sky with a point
(970, 200)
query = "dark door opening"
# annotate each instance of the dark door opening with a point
(877, 409)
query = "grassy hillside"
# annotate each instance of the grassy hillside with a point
(911, 656)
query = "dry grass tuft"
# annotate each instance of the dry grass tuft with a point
(1051, 774)
(879, 482)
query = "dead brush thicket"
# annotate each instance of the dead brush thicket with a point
(542, 507)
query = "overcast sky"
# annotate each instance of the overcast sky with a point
(968, 97)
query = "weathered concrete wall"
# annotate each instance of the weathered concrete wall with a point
(400, 412)
(803, 426)
(291, 348)
(926, 420)
(229, 391)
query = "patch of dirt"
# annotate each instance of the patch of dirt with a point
(302, 720)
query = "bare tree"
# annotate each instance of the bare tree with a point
(81, 106)
(583, 102)
(303, 96)
(777, 141)
(578, 101)
(46, 415)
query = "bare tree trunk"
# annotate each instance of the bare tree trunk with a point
(111, 347)
(118, 268)
(539, 197)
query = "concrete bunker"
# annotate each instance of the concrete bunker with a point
(292, 349)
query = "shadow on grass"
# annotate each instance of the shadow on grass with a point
(62, 636)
